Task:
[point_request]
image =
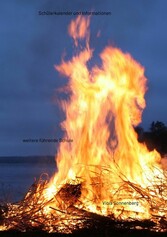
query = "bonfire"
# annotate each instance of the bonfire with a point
(104, 174)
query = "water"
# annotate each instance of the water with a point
(17, 174)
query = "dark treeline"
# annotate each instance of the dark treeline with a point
(155, 138)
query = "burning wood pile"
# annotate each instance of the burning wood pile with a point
(35, 212)
(105, 177)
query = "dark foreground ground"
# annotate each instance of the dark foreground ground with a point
(87, 233)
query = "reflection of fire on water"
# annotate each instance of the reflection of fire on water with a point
(104, 171)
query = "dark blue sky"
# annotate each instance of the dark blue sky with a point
(30, 46)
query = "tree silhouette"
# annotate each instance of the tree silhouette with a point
(158, 127)
(155, 138)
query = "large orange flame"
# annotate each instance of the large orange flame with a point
(105, 104)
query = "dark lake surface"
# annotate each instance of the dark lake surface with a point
(17, 174)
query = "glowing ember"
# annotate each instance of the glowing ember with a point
(105, 170)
